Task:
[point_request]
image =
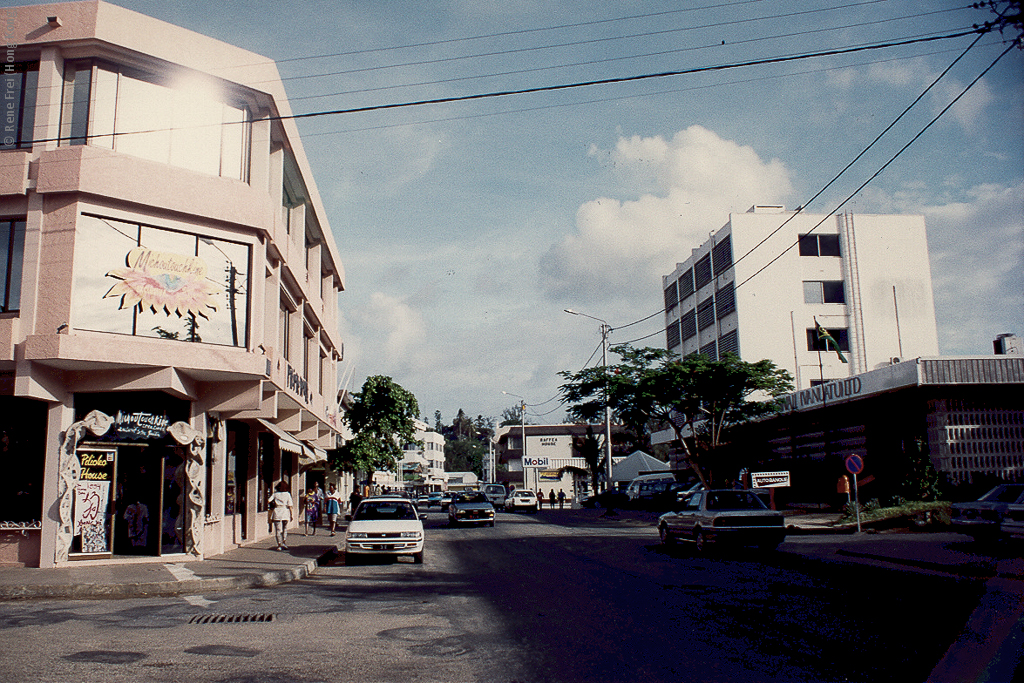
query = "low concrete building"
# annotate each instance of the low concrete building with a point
(964, 414)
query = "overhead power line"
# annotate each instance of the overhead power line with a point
(577, 84)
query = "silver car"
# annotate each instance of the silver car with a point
(982, 518)
(471, 508)
(723, 516)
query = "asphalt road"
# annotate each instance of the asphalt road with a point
(529, 600)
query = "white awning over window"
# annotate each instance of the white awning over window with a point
(287, 441)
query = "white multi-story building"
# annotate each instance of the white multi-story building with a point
(422, 465)
(759, 284)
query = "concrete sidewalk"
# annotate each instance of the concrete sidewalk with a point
(251, 566)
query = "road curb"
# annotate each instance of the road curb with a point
(195, 586)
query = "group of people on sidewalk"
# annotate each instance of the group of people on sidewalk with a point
(551, 499)
(315, 504)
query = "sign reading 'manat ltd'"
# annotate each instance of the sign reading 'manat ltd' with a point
(851, 388)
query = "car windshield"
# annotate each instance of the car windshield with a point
(384, 509)
(733, 500)
(1004, 494)
(471, 498)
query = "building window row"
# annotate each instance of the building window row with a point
(185, 123)
(824, 292)
(709, 266)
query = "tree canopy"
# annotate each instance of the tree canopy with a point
(382, 417)
(698, 397)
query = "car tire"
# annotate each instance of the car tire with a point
(666, 536)
(351, 559)
(491, 523)
(417, 558)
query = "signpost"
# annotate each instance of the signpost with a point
(770, 481)
(855, 465)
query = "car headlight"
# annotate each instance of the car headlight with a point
(358, 534)
(410, 534)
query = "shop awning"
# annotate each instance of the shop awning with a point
(311, 455)
(288, 442)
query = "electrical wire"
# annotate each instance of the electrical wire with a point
(594, 62)
(578, 43)
(835, 179)
(563, 86)
(1016, 43)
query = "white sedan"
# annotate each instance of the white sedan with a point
(522, 499)
(384, 526)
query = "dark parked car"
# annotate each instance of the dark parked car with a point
(614, 498)
(732, 516)
(982, 518)
(471, 508)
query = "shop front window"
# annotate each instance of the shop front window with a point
(146, 281)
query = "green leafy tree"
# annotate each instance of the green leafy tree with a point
(589, 448)
(698, 397)
(383, 418)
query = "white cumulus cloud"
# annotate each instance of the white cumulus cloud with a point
(683, 189)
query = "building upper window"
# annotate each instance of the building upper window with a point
(721, 255)
(182, 122)
(20, 82)
(672, 335)
(688, 325)
(824, 292)
(819, 245)
(706, 313)
(686, 284)
(153, 282)
(840, 334)
(725, 301)
(702, 271)
(12, 253)
(671, 296)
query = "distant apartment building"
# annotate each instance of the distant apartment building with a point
(762, 283)
(422, 464)
(168, 323)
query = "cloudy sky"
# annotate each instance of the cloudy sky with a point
(467, 227)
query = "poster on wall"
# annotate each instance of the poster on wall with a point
(92, 498)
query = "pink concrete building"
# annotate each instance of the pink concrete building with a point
(168, 313)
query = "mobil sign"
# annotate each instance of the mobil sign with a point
(531, 461)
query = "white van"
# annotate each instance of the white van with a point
(496, 494)
(641, 491)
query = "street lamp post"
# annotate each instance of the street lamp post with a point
(605, 331)
(522, 415)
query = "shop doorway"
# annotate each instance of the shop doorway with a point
(145, 514)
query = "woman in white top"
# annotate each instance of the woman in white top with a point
(281, 513)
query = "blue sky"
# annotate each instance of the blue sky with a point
(466, 228)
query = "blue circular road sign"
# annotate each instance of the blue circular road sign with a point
(854, 464)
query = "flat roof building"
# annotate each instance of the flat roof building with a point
(762, 283)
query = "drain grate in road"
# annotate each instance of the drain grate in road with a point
(230, 618)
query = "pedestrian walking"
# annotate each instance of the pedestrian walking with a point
(540, 500)
(312, 511)
(333, 506)
(354, 500)
(561, 499)
(281, 505)
(551, 499)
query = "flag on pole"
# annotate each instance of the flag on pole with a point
(823, 335)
